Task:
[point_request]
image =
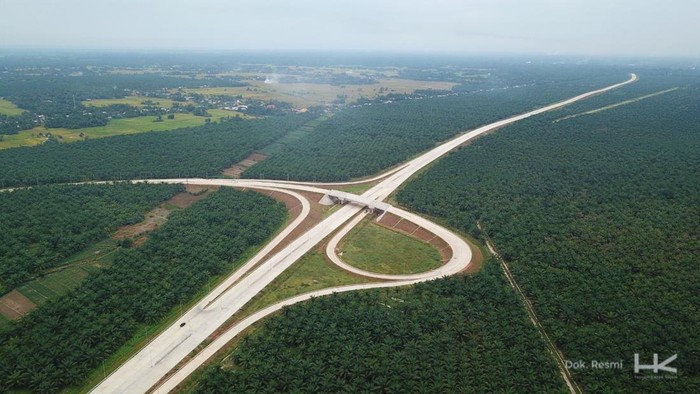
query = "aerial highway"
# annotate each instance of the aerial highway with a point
(149, 366)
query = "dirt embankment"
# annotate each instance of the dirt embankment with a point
(294, 207)
(396, 223)
(237, 169)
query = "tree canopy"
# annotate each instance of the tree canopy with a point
(366, 139)
(598, 216)
(60, 342)
(460, 334)
(189, 152)
(41, 226)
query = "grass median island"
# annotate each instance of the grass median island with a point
(312, 272)
(374, 248)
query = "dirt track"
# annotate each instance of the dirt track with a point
(237, 169)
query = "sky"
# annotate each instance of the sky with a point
(656, 28)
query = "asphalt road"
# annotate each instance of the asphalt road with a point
(153, 362)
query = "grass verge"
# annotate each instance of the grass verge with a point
(312, 272)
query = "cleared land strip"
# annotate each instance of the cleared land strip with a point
(611, 106)
(553, 350)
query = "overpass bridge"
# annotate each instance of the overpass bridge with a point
(339, 197)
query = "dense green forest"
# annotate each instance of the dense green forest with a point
(599, 217)
(460, 334)
(367, 139)
(194, 151)
(63, 340)
(41, 226)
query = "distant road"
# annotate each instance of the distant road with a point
(152, 363)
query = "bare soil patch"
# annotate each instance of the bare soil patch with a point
(476, 263)
(14, 305)
(193, 194)
(159, 215)
(237, 169)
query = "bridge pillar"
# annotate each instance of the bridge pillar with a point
(326, 200)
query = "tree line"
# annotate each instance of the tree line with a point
(41, 226)
(188, 152)
(59, 343)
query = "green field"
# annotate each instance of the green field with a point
(136, 101)
(52, 286)
(8, 108)
(224, 113)
(377, 249)
(137, 125)
(74, 270)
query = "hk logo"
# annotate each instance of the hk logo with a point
(656, 367)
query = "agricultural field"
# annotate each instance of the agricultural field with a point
(195, 151)
(138, 289)
(64, 220)
(303, 95)
(134, 101)
(9, 108)
(73, 270)
(597, 216)
(114, 127)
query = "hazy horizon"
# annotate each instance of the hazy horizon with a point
(544, 27)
